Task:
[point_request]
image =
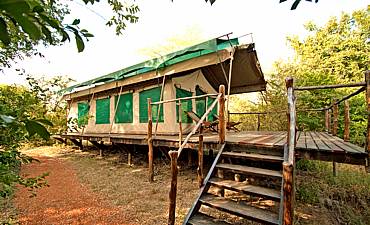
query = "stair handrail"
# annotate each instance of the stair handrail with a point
(286, 214)
(174, 155)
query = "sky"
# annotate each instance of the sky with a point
(268, 21)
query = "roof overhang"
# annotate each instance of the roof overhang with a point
(246, 74)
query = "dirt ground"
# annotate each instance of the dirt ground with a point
(88, 189)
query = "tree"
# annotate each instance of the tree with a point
(338, 52)
(26, 23)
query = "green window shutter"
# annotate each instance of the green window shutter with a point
(155, 95)
(214, 110)
(200, 103)
(102, 114)
(82, 113)
(124, 111)
(186, 105)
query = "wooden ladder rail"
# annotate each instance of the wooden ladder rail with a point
(286, 213)
(174, 155)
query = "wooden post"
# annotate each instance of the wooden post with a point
(367, 149)
(335, 119)
(129, 158)
(329, 131)
(221, 115)
(180, 123)
(150, 141)
(172, 195)
(346, 121)
(327, 125)
(335, 132)
(200, 158)
(288, 190)
(258, 122)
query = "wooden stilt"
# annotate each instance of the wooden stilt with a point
(335, 132)
(129, 159)
(367, 148)
(200, 158)
(150, 141)
(190, 157)
(172, 195)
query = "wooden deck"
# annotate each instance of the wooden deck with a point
(310, 145)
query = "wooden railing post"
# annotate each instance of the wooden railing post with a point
(180, 123)
(173, 190)
(288, 164)
(200, 158)
(346, 120)
(258, 122)
(221, 115)
(150, 141)
(335, 132)
(335, 119)
(367, 149)
(327, 125)
(329, 122)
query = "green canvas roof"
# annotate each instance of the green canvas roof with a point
(204, 48)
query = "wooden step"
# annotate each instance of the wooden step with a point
(241, 210)
(202, 219)
(250, 170)
(246, 188)
(253, 156)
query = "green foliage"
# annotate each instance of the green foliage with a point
(26, 23)
(338, 52)
(25, 115)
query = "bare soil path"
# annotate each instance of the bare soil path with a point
(66, 201)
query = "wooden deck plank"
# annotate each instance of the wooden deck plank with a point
(319, 143)
(310, 142)
(243, 210)
(329, 143)
(340, 143)
(278, 137)
(301, 142)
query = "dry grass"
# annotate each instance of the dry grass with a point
(321, 198)
(128, 186)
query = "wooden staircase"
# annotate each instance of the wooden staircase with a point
(241, 186)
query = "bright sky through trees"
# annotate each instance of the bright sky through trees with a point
(270, 23)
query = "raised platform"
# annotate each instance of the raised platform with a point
(310, 145)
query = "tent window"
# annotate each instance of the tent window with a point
(124, 113)
(186, 105)
(102, 114)
(200, 103)
(214, 110)
(155, 95)
(83, 113)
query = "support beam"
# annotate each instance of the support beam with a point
(173, 190)
(150, 141)
(77, 143)
(346, 121)
(180, 123)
